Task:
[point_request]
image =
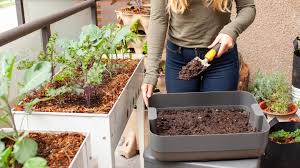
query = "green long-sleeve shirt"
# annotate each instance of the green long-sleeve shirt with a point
(196, 28)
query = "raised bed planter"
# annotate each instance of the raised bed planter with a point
(82, 158)
(105, 129)
(208, 146)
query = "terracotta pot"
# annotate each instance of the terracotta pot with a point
(292, 109)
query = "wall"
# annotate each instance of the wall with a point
(267, 44)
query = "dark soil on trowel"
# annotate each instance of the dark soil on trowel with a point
(134, 10)
(202, 121)
(106, 94)
(58, 149)
(190, 70)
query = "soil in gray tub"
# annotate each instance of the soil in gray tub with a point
(210, 120)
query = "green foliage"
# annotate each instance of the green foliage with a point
(23, 148)
(25, 64)
(145, 48)
(35, 162)
(94, 75)
(298, 103)
(134, 27)
(6, 68)
(35, 76)
(294, 135)
(273, 89)
(84, 62)
(50, 55)
(4, 157)
(280, 134)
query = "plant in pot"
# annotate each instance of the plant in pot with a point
(32, 149)
(283, 147)
(133, 12)
(138, 43)
(272, 91)
(95, 86)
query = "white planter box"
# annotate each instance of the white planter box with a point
(82, 159)
(105, 129)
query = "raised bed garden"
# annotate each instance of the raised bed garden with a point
(206, 126)
(102, 101)
(41, 149)
(64, 150)
(94, 91)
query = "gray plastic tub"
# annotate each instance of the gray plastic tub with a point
(151, 162)
(212, 146)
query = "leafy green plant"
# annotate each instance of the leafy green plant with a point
(273, 89)
(285, 137)
(49, 55)
(84, 62)
(24, 149)
(298, 103)
(145, 48)
(134, 27)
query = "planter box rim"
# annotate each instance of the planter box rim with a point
(85, 133)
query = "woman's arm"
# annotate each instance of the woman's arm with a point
(156, 39)
(245, 16)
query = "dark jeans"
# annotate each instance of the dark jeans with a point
(221, 75)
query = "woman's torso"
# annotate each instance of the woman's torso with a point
(198, 26)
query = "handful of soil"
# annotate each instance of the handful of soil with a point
(202, 121)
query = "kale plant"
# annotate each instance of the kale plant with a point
(24, 149)
(49, 55)
(84, 62)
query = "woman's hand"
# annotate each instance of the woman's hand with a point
(147, 91)
(226, 43)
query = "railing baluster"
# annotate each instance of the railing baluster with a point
(20, 12)
(94, 13)
(46, 33)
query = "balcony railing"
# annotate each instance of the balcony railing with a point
(45, 22)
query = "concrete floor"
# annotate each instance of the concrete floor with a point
(122, 162)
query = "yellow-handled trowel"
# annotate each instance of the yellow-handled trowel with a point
(198, 65)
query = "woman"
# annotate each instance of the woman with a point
(193, 27)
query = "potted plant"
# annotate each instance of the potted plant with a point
(133, 12)
(283, 147)
(272, 91)
(95, 86)
(138, 43)
(35, 149)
